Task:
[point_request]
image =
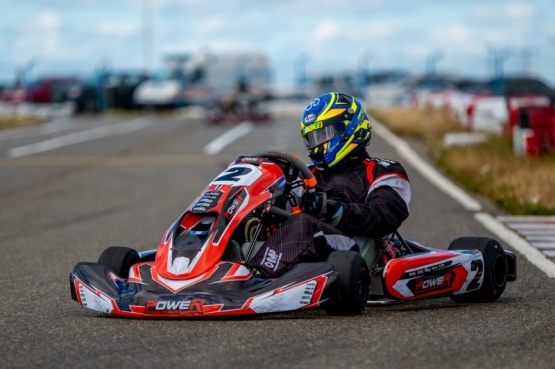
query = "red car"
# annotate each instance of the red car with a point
(41, 90)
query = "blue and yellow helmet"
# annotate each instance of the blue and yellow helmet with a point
(333, 126)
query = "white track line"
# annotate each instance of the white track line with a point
(533, 255)
(33, 130)
(220, 142)
(489, 222)
(78, 137)
(426, 170)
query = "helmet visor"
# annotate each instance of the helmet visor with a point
(328, 132)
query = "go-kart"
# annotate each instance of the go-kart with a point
(200, 268)
(223, 115)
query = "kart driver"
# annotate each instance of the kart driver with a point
(241, 102)
(358, 196)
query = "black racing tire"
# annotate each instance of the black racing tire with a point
(354, 282)
(119, 259)
(495, 268)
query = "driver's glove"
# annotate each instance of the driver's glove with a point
(318, 205)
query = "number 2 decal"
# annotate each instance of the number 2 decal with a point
(238, 175)
(233, 174)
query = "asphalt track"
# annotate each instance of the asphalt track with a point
(86, 191)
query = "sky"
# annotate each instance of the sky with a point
(461, 37)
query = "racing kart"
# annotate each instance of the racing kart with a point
(220, 114)
(200, 266)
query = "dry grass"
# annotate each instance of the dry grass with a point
(11, 121)
(428, 125)
(515, 185)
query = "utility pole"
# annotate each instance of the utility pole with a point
(432, 60)
(498, 60)
(299, 68)
(26, 70)
(363, 73)
(526, 57)
(147, 35)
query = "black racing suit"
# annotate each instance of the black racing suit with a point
(375, 195)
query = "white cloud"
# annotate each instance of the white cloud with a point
(521, 11)
(325, 32)
(513, 11)
(118, 29)
(381, 30)
(40, 36)
(213, 25)
(47, 20)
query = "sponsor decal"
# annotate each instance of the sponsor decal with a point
(308, 292)
(203, 202)
(311, 127)
(428, 269)
(207, 201)
(234, 206)
(271, 259)
(431, 283)
(384, 162)
(174, 306)
(249, 159)
(309, 118)
(332, 148)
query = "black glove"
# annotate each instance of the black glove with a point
(314, 203)
(318, 205)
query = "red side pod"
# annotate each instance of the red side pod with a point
(430, 274)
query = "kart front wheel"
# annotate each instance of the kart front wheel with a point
(495, 268)
(354, 281)
(119, 259)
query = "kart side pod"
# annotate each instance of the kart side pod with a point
(433, 274)
(472, 269)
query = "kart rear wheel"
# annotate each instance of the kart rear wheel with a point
(495, 268)
(354, 281)
(119, 259)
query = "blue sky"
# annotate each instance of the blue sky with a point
(76, 36)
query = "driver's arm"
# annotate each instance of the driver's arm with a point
(380, 215)
(385, 207)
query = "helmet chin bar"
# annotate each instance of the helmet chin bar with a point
(318, 158)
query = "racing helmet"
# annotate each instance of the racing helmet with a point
(333, 126)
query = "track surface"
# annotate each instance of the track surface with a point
(64, 205)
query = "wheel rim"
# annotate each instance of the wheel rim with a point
(499, 271)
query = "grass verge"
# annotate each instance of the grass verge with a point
(12, 121)
(517, 186)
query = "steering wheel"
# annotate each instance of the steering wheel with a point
(308, 180)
